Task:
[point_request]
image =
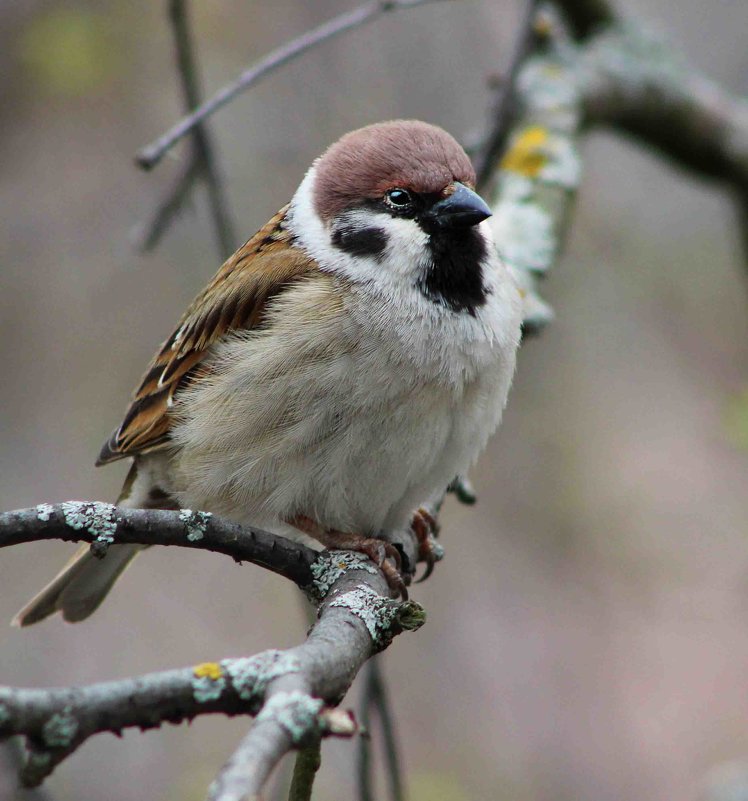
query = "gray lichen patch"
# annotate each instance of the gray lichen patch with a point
(376, 611)
(297, 712)
(98, 519)
(251, 675)
(329, 566)
(196, 523)
(60, 730)
(44, 511)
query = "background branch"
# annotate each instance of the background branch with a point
(151, 154)
(202, 162)
(633, 81)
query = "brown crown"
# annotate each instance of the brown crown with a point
(407, 154)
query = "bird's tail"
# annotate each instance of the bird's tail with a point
(79, 588)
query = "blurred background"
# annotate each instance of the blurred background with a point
(588, 631)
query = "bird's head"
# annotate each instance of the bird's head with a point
(395, 201)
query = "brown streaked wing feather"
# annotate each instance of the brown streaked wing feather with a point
(235, 299)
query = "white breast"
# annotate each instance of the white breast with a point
(342, 410)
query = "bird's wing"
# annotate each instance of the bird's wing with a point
(235, 299)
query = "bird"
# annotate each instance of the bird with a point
(341, 367)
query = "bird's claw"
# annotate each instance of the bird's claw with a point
(425, 527)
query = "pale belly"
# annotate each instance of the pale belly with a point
(313, 422)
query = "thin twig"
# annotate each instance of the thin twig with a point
(363, 756)
(151, 154)
(391, 751)
(203, 147)
(307, 764)
(149, 233)
(485, 156)
(376, 698)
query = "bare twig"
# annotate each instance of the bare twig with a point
(484, 158)
(364, 774)
(149, 234)
(308, 761)
(375, 698)
(151, 154)
(204, 151)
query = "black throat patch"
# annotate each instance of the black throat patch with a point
(455, 276)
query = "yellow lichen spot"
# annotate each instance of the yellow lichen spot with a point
(526, 155)
(342, 565)
(210, 670)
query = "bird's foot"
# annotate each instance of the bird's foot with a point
(426, 527)
(384, 555)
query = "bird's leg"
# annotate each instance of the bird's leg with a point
(384, 555)
(425, 526)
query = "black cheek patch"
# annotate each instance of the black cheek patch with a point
(360, 241)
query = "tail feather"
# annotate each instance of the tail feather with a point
(79, 588)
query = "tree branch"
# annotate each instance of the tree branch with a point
(633, 81)
(290, 691)
(102, 524)
(151, 154)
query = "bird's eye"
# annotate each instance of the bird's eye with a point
(398, 198)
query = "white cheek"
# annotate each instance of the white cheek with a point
(407, 250)
(404, 257)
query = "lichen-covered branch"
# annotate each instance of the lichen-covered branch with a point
(102, 524)
(619, 75)
(293, 693)
(535, 181)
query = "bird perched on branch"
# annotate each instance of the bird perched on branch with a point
(338, 371)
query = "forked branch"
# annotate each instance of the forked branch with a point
(293, 693)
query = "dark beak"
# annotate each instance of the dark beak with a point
(461, 209)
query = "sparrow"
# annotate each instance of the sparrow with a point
(338, 371)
